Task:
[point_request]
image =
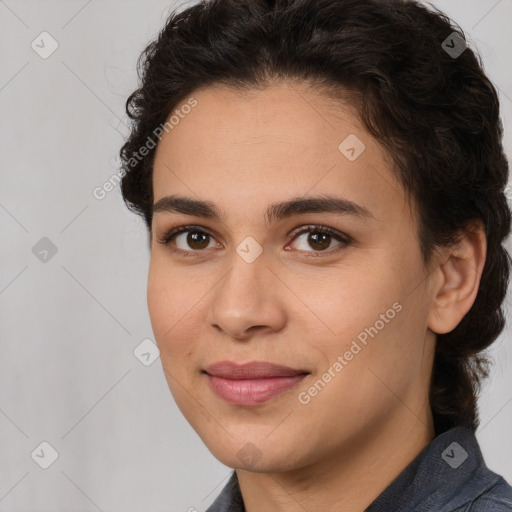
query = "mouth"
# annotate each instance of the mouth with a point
(251, 383)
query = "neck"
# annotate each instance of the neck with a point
(351, 477)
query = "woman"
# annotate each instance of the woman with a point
(323, 185)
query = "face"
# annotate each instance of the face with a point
(335, 291)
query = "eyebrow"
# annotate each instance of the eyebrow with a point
(275, 212)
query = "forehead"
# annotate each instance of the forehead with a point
(247, 149)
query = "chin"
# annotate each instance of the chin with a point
(250, 461)
(261, 456)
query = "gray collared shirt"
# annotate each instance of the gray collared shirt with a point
(449, 475)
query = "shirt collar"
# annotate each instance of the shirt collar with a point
(446, 475)
(230, 498)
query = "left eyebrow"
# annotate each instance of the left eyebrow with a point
(275, 212)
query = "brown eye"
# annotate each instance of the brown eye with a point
(187, 240)
(192, 240)
(319, 239)
(197, 240)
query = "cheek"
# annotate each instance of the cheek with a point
(370, 319)
(160, 302)
(348, 304)
(171, 311)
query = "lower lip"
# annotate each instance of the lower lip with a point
(251, 391)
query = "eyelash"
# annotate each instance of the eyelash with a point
(171, 234)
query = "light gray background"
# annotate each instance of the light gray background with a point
(69, 326)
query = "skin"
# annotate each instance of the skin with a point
(244, 152)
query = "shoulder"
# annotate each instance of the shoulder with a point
(497, 498)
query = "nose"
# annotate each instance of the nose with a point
(249, 299)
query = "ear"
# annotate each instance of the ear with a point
(460, 272)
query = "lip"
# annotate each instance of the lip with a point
(251, 383)
(252, 370)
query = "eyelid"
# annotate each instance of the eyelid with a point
(319, 228)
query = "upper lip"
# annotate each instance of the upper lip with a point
(252, 370)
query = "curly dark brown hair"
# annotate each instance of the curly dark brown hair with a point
(435, 112)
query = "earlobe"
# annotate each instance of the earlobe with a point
(460, 271)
